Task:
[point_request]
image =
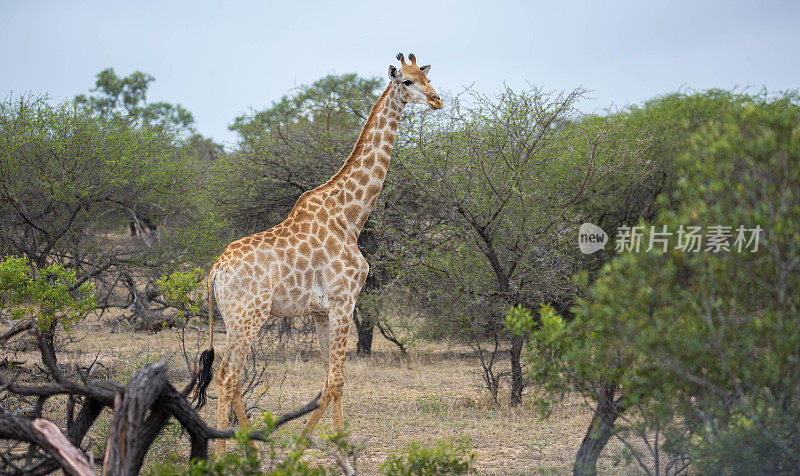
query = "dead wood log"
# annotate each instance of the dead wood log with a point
(18, 329)
(341, 458)
(131, 434)
(130, 408)
(46, 435)
(67, 454)
(142, 409)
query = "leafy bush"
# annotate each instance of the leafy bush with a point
(245, 459)
(182, 290)
(51, 296)
(443, 458)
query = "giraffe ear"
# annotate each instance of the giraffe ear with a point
(394, 75)
(425, 69)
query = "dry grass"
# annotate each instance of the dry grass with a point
(390, 400)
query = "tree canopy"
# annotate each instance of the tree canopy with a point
(127, 96)
(496, 185)
(701, 339)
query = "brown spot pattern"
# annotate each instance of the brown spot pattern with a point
(313, 251)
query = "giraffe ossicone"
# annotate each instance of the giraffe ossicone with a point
(309, 264)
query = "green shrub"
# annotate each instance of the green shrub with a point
(250, 460)
(52, 295)
(183, 290)
(434, 403)
(443, 458)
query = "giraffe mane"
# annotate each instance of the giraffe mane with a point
(357, 150)
(362, 137)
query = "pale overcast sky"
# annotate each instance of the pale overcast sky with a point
(219, 59)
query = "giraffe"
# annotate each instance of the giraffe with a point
(309, 264)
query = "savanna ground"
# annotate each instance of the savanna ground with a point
(432, 393)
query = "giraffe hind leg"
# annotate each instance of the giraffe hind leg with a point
(225, 398)
(242, 332)
(238, 407)
(231, 389)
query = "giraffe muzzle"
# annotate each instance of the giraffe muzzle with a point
(435, 102)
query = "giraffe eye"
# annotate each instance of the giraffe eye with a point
(408, 82)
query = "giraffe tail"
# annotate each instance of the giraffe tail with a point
(207, 357)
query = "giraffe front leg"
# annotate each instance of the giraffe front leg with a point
(340, 317)
(336, 373)
(316, 415)
(339, 328)
(321, 323)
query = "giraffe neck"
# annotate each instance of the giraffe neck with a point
(362, 176)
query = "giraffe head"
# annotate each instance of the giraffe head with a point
(413, 80)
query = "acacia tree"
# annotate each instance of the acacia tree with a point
(498, 183)
(705, 341)
(669, 121)
(74, 173)
(44, 299)
(70, 178)
(127, 96)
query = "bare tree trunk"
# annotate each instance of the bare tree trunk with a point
(488, 359)
(47, 347)
(365, 334)
(365, 327)
(389, 335)
(365, 317)
(601, 429)
(516, 371)
(144, 314)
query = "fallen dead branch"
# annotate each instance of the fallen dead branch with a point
(142, 410)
